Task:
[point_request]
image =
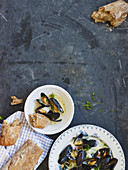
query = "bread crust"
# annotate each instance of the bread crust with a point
(25, 158)
(39, 121)
(16, 101)
(10, 132)
(115, 13)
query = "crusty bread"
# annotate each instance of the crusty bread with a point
(25, 158)
(16, 101)
(10, 132)
(115, 13)
(39, 121)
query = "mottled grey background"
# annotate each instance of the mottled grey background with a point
(56, 42)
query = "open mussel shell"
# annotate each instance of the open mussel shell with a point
(53, 116)
(55, 105)
(63, 157)
(40, 110)
(41, 103)
(102, 153)
(78, 141)
(45, 100)
(80, 157)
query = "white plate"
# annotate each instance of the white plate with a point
(63, 140)
(68, 108)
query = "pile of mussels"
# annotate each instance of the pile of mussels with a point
(74, 156)
(55, 108)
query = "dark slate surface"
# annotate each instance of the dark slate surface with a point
(56, 42)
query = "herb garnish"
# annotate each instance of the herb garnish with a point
(93, 94)
(98, 168)
(52, 95)
(87, 147)
(52, 107)
(1, 118)
(105, 144)
(88, 106)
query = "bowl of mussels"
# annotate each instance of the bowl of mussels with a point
(49, 109)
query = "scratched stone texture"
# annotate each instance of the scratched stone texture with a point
(57, 42)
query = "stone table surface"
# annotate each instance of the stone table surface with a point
(57, 42)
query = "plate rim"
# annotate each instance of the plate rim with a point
(62, 90)
(93, 126)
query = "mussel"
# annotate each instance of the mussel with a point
(102, 153)
(63, 157)
(45, 100)
(53, 116)
(104, 161)
(111, 164)
(91, 142)
(80, 157)
(40, 110)
(55, 106)
(78, 141)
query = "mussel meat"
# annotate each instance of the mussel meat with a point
(80, 157)
(40, 110)
(92, 162)
(45, 100)
(63, 157)
(55, 106)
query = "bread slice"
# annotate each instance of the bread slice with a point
(10, 132)
(115, 13)
(25, 158)
(39, 121)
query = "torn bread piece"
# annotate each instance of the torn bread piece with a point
(16, 101)
(39, 121)
(25, 158)
(10, 132)
(115, 13)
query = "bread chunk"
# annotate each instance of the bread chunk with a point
(25, 158)
(115, 13)
(10, 132)
(39, 121)
(16, 101)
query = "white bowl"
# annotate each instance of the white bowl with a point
(29, 108)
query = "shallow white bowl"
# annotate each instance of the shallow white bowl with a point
(67, 100)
